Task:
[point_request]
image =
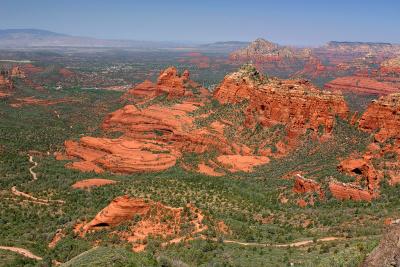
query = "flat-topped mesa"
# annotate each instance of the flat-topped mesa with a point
(362, 85)
(383, 116)
(295, 103)
(169, 82)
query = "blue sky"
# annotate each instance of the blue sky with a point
(298, 22)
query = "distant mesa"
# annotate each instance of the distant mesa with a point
(362, 85)
(261, 50)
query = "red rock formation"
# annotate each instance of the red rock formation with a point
(346, 191)
(5, 82)
(303, 185)
(391, 66)
(169, 82)
(17, 72)
(262, 50)
(362, 85)
(295, 103)
(383, 116)
(363, 168)
(302, 203)
(154, 219)
(153, 139)
(88, 183)
(120, 210)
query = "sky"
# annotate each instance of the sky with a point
(295, 22)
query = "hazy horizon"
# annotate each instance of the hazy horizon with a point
(286, 22)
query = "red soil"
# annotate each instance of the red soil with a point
(237, 163)
(40, 102)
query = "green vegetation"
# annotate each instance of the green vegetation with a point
(247, 202)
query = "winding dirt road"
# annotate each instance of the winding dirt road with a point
(294, 244)
(22, 251)
(34, 175)
(33, 199)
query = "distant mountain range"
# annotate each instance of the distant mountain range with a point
(36, 38)
(31, 38)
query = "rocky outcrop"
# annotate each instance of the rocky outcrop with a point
(347, 191)
(295, 103)
(383, 117)
(5, 81)
(387, 253)
(303, 185)
(239, 85)
(362, 85)
(120, 210)
(361, 168)
(155, 136)
(145, 218)
(153, 139)
(17, 72)
(169, 82)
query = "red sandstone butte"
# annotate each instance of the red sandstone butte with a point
(297, 104)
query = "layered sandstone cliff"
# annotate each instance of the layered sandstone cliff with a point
(362, 85)
(297, 104)
(382, 117)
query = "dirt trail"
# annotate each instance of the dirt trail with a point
(16, 192)
(294, 244)
(33, 199)
(34, 175)
(23, 252)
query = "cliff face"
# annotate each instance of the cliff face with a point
(383, 116)
(295, 103)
